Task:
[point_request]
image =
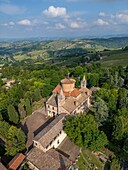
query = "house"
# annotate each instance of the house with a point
(9, 84)
(44, 155)
(51, 160)
(51, 136)
(68, 99)
(16, 162)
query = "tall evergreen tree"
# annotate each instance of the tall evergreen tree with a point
(21, 110)
(28, 107)
(100, 111)
(13, 114)
(37, 94)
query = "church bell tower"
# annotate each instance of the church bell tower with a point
(83, 82)
(61, 100)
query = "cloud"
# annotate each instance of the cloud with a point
(55, 12)
(101, 22)
(102, 14)
(11, 9)
(59, 26)
(24, 22)
(74, 24)
(11, 23)
(122, 17)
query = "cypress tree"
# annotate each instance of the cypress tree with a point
(21, 110)
(13, 114)
(37, 94)
(28, 107)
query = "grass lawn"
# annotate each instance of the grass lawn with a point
(89, 160)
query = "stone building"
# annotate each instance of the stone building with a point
(45, 155)
(68, 99)
(51, 136)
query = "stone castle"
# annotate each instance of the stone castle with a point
(67, 99)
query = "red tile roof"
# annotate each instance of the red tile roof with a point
(57, 89)
(67, 94)
(67, 81)
(16, 161)
(75, 92)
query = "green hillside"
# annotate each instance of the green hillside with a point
(117, 58)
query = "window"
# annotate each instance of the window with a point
(48, 106)
(47, 146)
(52, 108)
(58, 142)
(50, 143)
(35, 143)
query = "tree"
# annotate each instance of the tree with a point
(12, 114)
(93, 79)
(15, 141)
(1, 117)
(47, 89)
(100, 111)
(83, 131)
(21, 110)
(78, 71)
(125, 147)
(122, 112)
(110, 96)
(115, 164)
(120, 128)
(1, 82)
(37, 94)
(54, 79)
(4, 127)
(28, 107)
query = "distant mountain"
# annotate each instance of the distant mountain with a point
(62, 38)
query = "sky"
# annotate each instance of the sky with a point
(63, 18)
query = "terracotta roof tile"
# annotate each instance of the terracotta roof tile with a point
(67, 94)
(75, 92)
(57, 89)
(16, 161)
(68, 81)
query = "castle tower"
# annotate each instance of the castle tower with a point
(61, 96)
(83, 82)
(60, 100)
(68, 84)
